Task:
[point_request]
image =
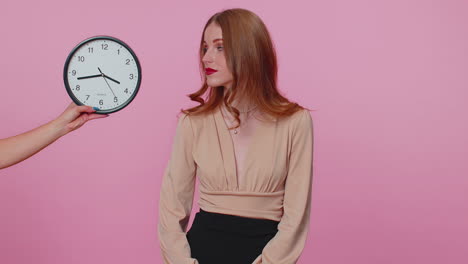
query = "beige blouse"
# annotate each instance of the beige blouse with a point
(272, 181)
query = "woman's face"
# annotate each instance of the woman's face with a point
(213, 57)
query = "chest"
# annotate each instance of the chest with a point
(254, 157)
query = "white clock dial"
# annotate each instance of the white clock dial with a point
(102, 72)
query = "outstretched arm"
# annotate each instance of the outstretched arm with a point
(20, 147)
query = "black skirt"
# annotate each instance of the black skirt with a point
(222, 238)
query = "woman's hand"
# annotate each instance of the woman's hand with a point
(74, 117)
(20, 147)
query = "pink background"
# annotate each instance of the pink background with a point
(388, 80)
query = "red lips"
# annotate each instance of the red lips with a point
(210, 71)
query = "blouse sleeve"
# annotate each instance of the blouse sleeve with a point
(176, 197)
(287, 245)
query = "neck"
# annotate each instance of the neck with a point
(242, 105)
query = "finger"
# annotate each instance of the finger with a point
(85, 109)
(78, 122)
(96, 116)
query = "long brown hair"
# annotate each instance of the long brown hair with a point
(251, 58)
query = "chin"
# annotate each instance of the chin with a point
(214, 84)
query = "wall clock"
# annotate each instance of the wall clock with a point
(102, 72)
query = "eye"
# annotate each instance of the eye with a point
(220, 48)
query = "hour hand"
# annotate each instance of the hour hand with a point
(105, 76)
(90, 76)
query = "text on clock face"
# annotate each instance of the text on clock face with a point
(102, 73)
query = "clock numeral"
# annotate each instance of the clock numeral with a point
(73, 73)
(118, 52)
(126, 90)
(127, 61)
(101, 102)
(104, 46)
(77, 88)
(131, 76)
(81, 58)
(90, 50)
(87, 97)
(115, 99)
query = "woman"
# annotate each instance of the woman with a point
(251, 150)
(20, 147)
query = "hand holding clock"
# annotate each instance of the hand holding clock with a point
(74, 117)
(20, 147)
(118, 56)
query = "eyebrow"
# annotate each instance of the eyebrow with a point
(214, 40)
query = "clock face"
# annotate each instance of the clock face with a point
(102, 72)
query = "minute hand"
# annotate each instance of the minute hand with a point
(90, 76)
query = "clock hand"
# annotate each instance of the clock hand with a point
(105, 76)
(110, 87)
(90, 76)
(102, 74)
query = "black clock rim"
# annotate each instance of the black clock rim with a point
(105, 37)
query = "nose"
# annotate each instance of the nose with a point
(207, 58)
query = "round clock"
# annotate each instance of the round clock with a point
(103, 72)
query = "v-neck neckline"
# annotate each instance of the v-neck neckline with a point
(228, 146)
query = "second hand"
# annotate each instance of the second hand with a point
(106, 82)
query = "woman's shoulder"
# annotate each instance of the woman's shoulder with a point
(299, 118)
(194, 120)
(183, 122)
(304, 120)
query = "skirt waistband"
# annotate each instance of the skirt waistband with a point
(233, 223)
